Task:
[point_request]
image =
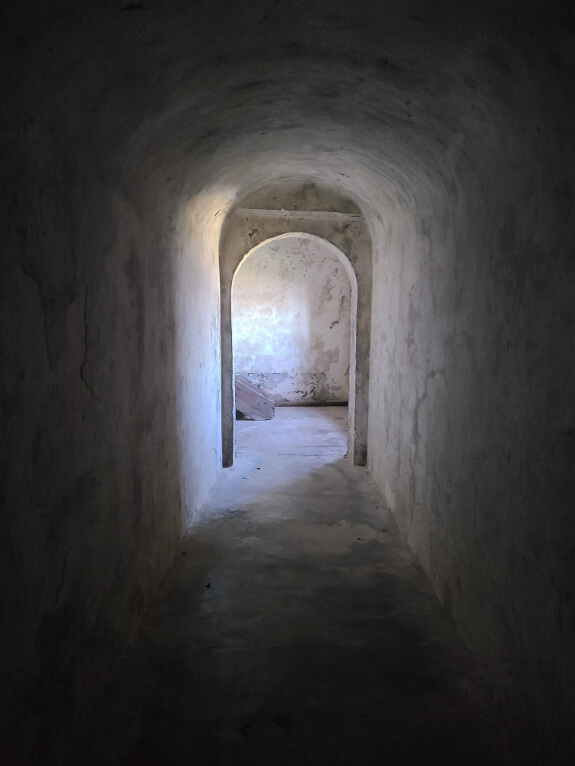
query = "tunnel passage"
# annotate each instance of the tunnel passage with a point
(132, 135)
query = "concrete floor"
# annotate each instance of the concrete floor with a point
(294, 628)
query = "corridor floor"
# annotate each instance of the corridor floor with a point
(294, 628)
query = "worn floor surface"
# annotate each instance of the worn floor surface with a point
(294, 629)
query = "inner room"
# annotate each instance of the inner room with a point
(291, 323)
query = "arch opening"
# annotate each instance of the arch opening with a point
(356, 363)
(294, 311)
(307, 210)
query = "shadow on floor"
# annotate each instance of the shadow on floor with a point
(294, 628)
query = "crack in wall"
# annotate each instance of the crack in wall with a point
(39, 286)
(87, 386)
(62, 577)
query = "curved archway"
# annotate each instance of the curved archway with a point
(321, 376)
(313, 238)
(359, 363)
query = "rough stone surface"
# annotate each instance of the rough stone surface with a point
(291, 322)
(129, 132)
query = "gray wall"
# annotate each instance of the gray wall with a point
(128, 136)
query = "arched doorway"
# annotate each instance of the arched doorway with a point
(308, 212)
(294, 310)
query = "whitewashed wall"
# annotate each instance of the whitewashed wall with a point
(291, 322)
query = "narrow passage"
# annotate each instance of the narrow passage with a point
(294, 628)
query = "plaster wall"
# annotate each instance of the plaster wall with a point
(109, 329)
(197, 353)
(291, 322)
(467, 439)
(91, 484)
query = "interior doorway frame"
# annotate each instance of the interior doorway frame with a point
(331, 248)
(359, 344)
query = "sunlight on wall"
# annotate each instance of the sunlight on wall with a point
(197, 331)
